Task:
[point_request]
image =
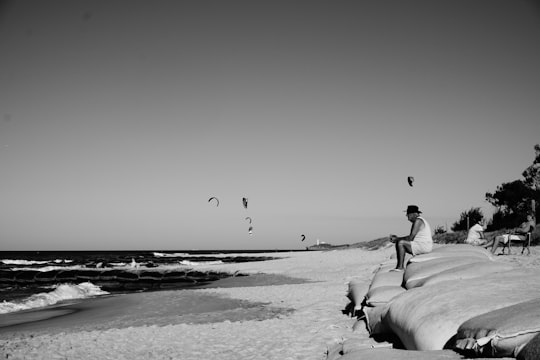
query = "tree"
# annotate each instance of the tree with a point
(513, 200)
(531, 178)
(510, 197)
(531, 175)
(474, 215)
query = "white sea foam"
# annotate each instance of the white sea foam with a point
(198, 263)
(33, 262)
(60, 292)
(23, 262)
(160, 254)
(50, 268)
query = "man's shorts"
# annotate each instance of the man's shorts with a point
(479, 242)
(504, 238)
(421, 248)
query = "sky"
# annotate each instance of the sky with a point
(120, 119)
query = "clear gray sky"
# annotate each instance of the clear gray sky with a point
(120, 119)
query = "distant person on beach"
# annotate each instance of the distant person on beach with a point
(476, 234)
(518, 234)
(419, 241)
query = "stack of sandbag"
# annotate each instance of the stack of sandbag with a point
(428, 317)
(450, 263)
(458, 297)
(385, 285)
(397, 354)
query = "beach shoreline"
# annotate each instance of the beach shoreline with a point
(272, 320)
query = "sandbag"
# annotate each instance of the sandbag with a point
(374, 320)
(531, 351)
(461, 248)
(399, 354)
(467, 271)
(427, 317)
(356, 293)
(384, 286)
(383, 294)
(503, 332)
(446, 254)
(386, 278)
(421, 270)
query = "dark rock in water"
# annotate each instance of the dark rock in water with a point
(127, 276)
(175, 279)
(150, 275)
(48, 277)
(173, 276)
(66, 276)
(88, 275)
(25, 277)
(7, 276)
(197, 275)
(110, 285)
(108, 275)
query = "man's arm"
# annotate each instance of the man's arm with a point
(418, 225)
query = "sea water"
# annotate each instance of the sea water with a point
(26, 294)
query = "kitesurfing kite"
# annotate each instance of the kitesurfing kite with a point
(303, 237)
(214, 198)
(245, 201)
(248, 218)
(410, 180)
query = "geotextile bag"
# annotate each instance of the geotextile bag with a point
(462, 248)
(502, 332)
(374, 320)
(386, 278)
(421, 270)
(383, 294)
(427, 317)
(531, 351)
(398, 354)
(467, 271)
(448, 254)
(357, 291)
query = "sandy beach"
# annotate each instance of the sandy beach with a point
(266, 317)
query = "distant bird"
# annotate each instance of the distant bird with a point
(245, 202)
(410, 180)
(303, 237)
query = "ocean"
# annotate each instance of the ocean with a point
(37, 279)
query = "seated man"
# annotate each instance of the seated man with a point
(419, 240)
(519, 234)
(476, 234)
